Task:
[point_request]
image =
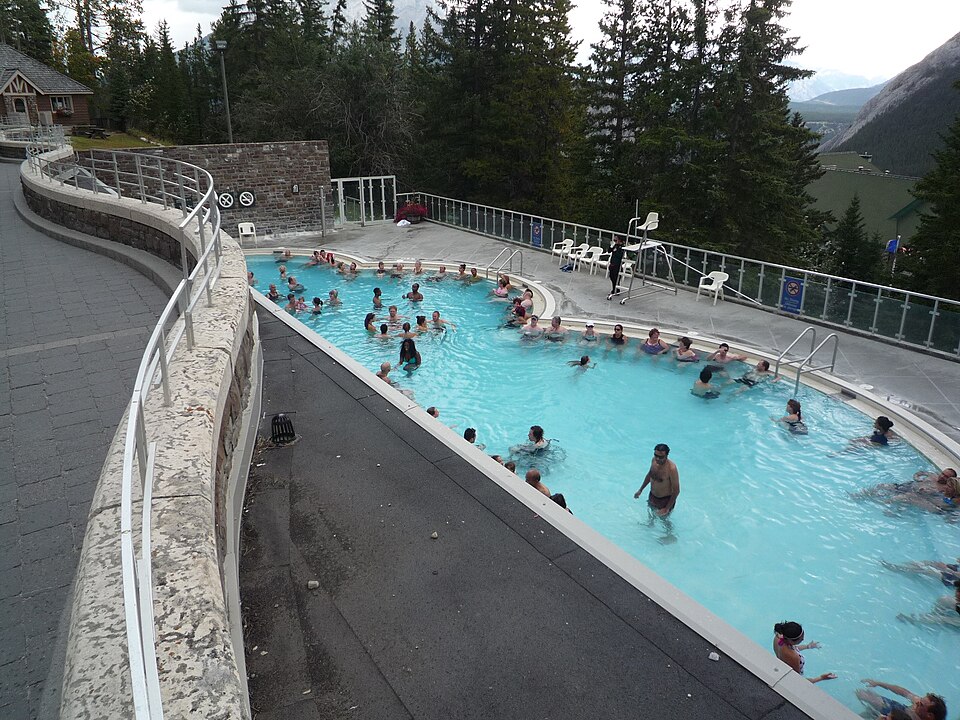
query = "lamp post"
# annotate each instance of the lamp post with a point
(222, 46)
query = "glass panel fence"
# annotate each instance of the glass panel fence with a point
(916, 321)
(946, 329)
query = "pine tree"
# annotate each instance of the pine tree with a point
(850, 252)
(935, 247)
(380, 21)
(25, 26)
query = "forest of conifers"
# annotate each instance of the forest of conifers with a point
(681, 109)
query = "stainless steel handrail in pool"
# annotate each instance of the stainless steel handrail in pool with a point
(903, 317)
(171, 183)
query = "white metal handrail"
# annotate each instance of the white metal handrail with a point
(171, 183)
(509, 261)
(868, 308)
(801, 363)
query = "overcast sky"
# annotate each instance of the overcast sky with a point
(873, 38)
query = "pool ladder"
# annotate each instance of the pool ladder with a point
(801, 363)
(510, 253)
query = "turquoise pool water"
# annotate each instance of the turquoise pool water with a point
(765, 528)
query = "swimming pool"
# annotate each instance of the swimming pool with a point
(765, 528)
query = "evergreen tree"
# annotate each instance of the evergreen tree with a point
(380, 21)
(24, 25)
(935, 247)
(850, 251)
(79, 63)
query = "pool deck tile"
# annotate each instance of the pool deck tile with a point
(500, 616)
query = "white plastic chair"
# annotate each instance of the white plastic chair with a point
(590, 258)
(247, 230)
(574, 254)
(651, 223)
(713, 283)
(562, 248)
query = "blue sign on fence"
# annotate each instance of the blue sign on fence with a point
(536, 234)
(791, 295)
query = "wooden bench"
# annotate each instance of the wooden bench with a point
(89, 131)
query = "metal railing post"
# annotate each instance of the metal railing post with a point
(853, 295)
(116, 174)
(903, 317)
(933, 319)
(143, 192)
(163, 186)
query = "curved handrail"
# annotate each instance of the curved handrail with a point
(175, 184)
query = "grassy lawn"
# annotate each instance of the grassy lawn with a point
(116, 141)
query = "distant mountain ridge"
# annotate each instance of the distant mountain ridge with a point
(901, 125)
(852, 97)
(827, 81)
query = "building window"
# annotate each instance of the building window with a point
(19, 105)
(58, 103)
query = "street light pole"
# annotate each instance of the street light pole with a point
(222, 46)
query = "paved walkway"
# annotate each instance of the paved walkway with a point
(500, 616)
(928, 384)
(72, 329)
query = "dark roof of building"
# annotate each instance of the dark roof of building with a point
(44, 78)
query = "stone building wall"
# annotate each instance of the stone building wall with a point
(270, 171)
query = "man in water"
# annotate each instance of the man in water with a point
(922, 707)
(415, 295)
(664, 481)
(533, 480)
(384, 373)
(439, 322)
(722, 355)
(760, 373)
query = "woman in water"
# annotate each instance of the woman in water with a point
(294, 285)
(882, 433)
(334, 298)
(794, 418)
(582, 364)
(407, 332)
(273, 293)
(315, 259)
(283, 272)
(617, 339)
(368, 323)
(409, 355)
(786, 646)
(683, 352)
(507, 283)
(381, 270)
(501, 291)
(418, 268)
(653, 345)
(589, 334)
(422, 326)
(317, 306)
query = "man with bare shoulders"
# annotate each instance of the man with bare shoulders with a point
(722, 355)
(664, 482)
(533, 480)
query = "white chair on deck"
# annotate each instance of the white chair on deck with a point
(574, 254)
(562, 248)
(713, 283)
(589, 258)
(247, 230)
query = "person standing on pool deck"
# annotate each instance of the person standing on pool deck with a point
(922, 707)
(616, 262)
(664, 481)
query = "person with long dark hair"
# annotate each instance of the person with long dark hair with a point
(409, 355)
(786, 646)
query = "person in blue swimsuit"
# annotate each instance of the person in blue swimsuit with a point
(653, 345)
(794, 418)
(684, 353)
(882, 434)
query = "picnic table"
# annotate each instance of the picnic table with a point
(90, 131)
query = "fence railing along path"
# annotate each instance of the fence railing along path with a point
(172, 184)
(905, 318)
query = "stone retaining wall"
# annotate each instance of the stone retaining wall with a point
(269, 171)
(195, 438)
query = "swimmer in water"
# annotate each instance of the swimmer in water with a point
(294, 286)
(273, 293)
(368, 323)
(414, 295)
(589, 334)
(291, 306)
(722, 355)
(317, 306)
(439, 323)
(381, 270)
(407, 331)
(531, 331)
(418, 268)
(334, 298)
(409, 355)
(794, 418)
(702, 387)
(760, 373)
(684, 353)
(422, 326)
(583, 363)
(535, 445)
(377, 302)
(251, 281)
(440, 274)
(653, 345)
(384, 333)
(556, 331)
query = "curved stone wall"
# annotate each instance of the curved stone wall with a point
(200, 670)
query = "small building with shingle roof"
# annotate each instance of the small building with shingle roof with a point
(35, 94)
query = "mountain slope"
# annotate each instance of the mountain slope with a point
(857, 97)
(901, 125)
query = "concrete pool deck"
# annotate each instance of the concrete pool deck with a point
(927, 385)
(500, 616)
